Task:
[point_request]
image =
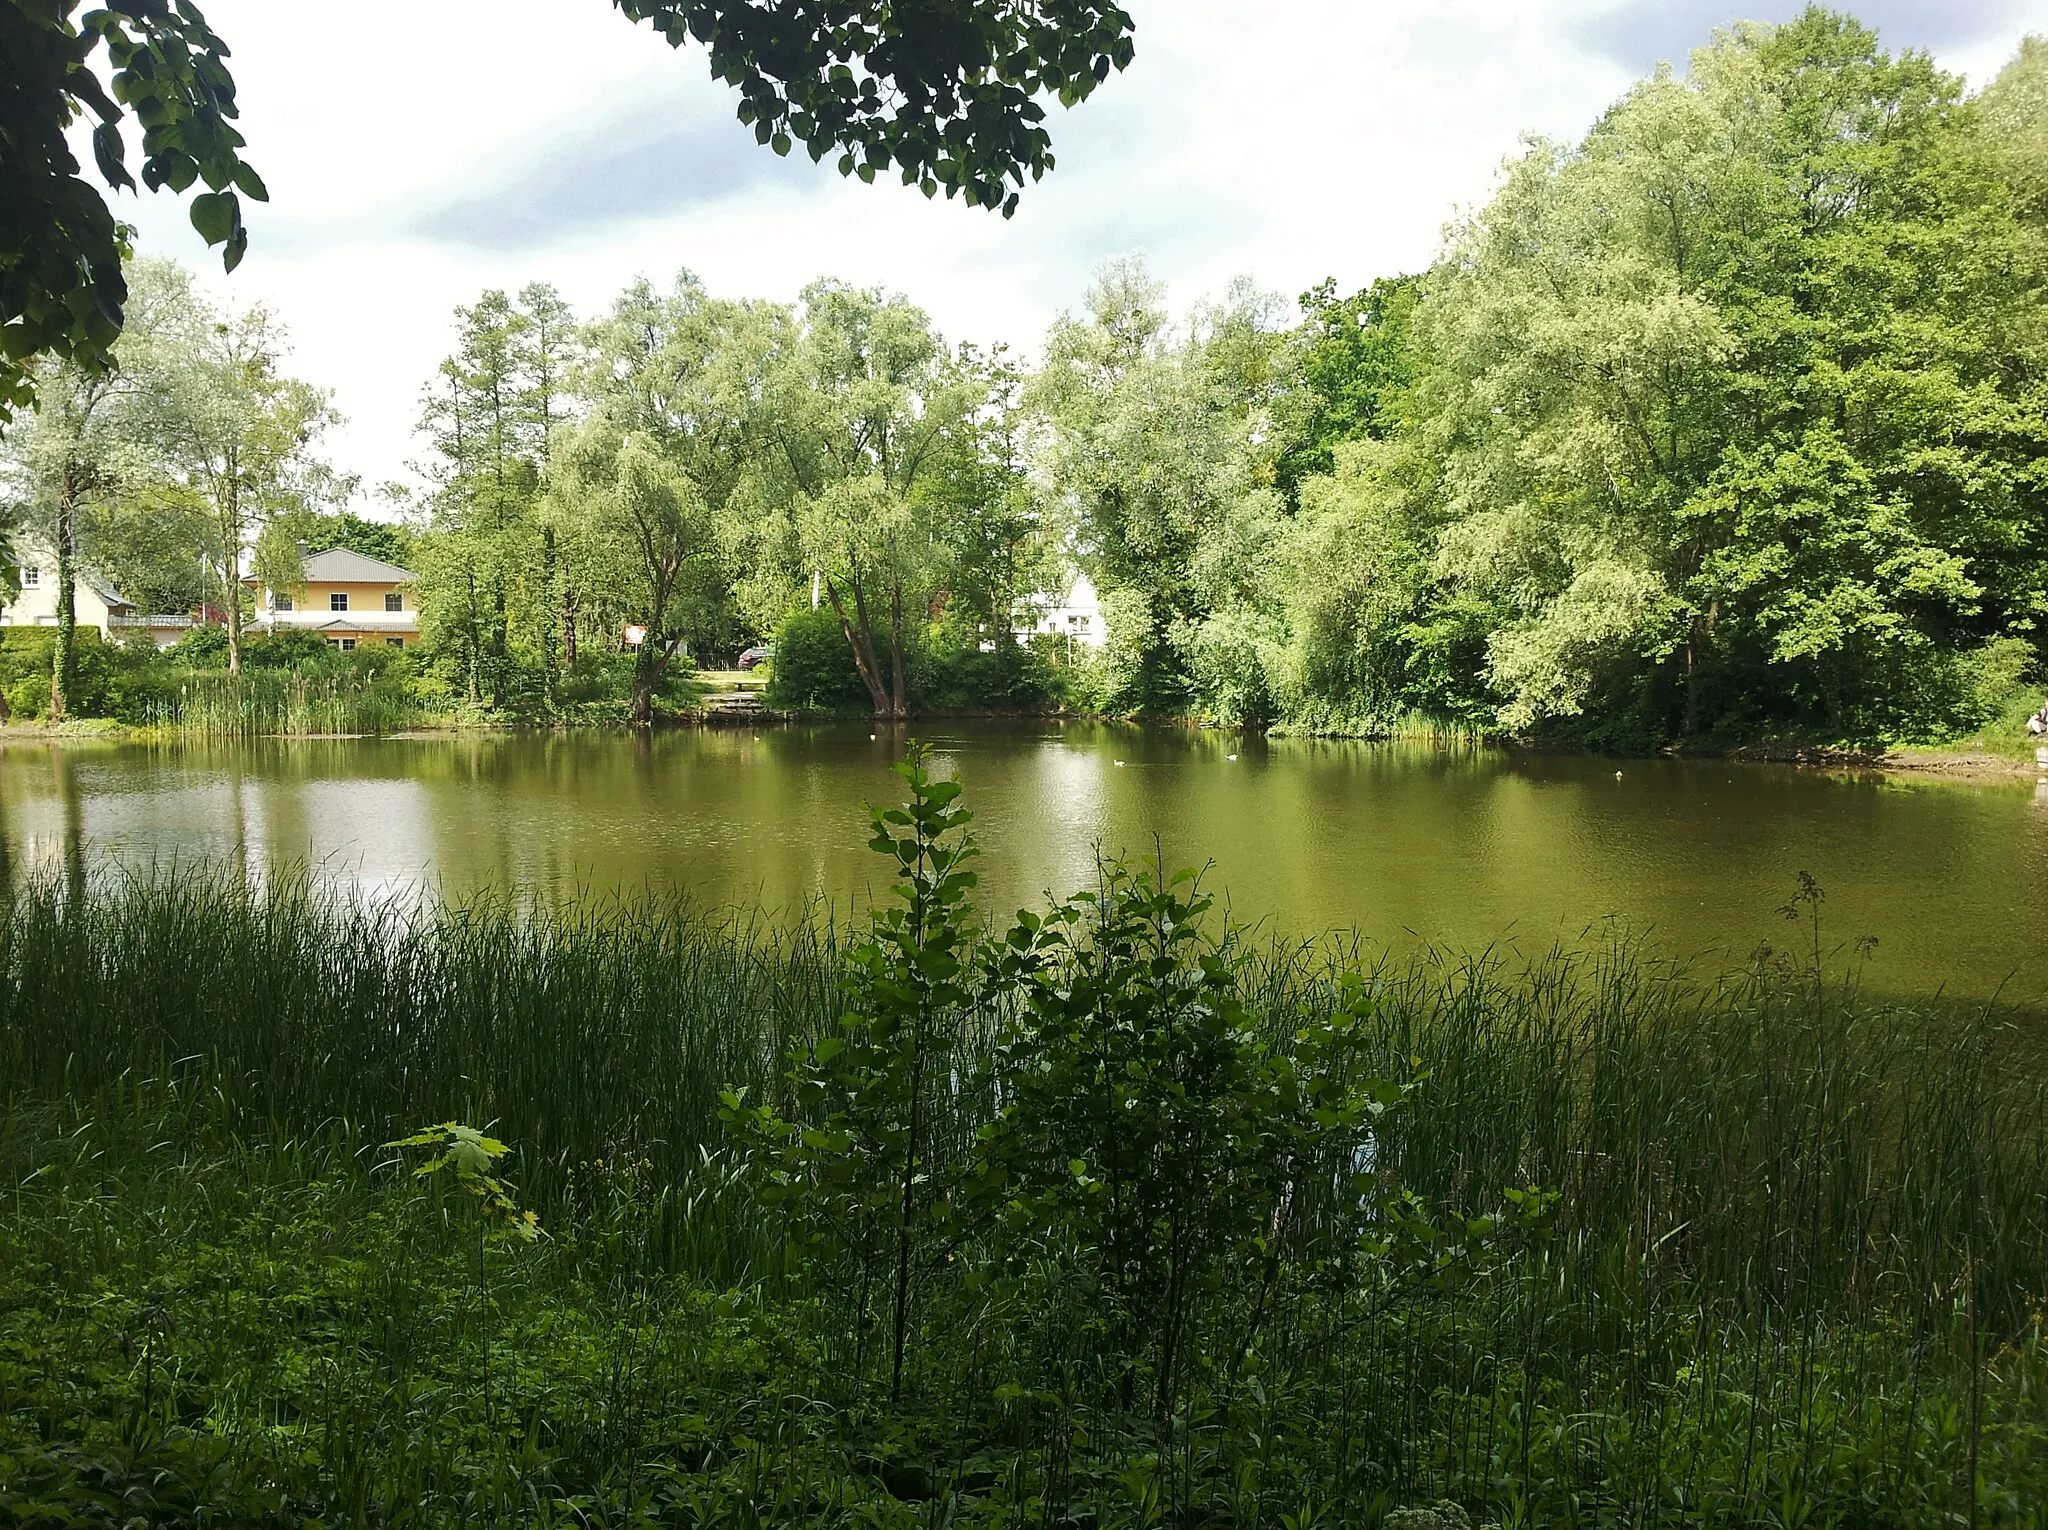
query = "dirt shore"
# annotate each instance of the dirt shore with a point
(1947, 764)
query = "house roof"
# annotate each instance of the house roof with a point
(338, 565)
(103, 588)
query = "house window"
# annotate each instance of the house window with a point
(394, 642)
(31, 578)
(393, 601)
(346, 645)
(338, 601)
(280, 602)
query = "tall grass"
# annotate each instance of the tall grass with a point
(1795, 1277)
(263, 702)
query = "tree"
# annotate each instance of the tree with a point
(637, 492)
(87, 461)
(1342, 377)
(244, 437)
(489, 414)
(999, 543)
(861, 415)
(947, 94)
(62, 289)
(549, 345)
(1158, 442)
(1726, 419)
(2014, 110)
(491, 474)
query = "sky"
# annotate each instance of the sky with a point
(419, 152)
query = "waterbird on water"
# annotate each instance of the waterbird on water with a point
(1230, 757)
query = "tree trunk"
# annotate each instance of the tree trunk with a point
(862, 643)
(63, 655)
(231, 578)
(550, 656)
(569, 627)
(469, 634)
(500, 653)
(650, 663)
(899, 704)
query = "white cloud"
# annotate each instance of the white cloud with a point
(418, 154)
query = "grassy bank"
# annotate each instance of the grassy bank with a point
(1114, 1223)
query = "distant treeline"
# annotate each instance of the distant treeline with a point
(1722, 425)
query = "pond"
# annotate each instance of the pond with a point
(1461, 846)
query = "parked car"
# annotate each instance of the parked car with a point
(760, 653)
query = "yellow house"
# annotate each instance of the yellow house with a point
(348, 599)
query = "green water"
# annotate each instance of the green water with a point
(1461, 846)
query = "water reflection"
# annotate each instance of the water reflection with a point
(1460, 845)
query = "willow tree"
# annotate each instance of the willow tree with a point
(1159, 443)
(862, 413)
(639, 490)
(1726, 417)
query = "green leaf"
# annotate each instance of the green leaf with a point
(213, 215)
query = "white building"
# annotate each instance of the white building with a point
(1075, 615)
(94, 601)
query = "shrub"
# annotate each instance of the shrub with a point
(813, 669)
(98, 670)
(286, 648)
(951, 668)
(1992, 678)
(200, 648)
(1229, 657)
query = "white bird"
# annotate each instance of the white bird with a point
(871, 738)
(1230, 757)
(1617, 775)
(1119, 763)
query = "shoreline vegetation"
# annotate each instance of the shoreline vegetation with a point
(1715, 429)
(615, 1211)
(1978, 759)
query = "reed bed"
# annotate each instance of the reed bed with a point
(1794, 1274)
(262, 703)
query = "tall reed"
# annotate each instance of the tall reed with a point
(1796, 1273)
(262, 702)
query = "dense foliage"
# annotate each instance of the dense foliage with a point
(1109, 1217)
(1722, 424)
(1719, 427)
(62, 290)
(947, 95)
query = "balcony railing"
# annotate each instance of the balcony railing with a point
(373, 620)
